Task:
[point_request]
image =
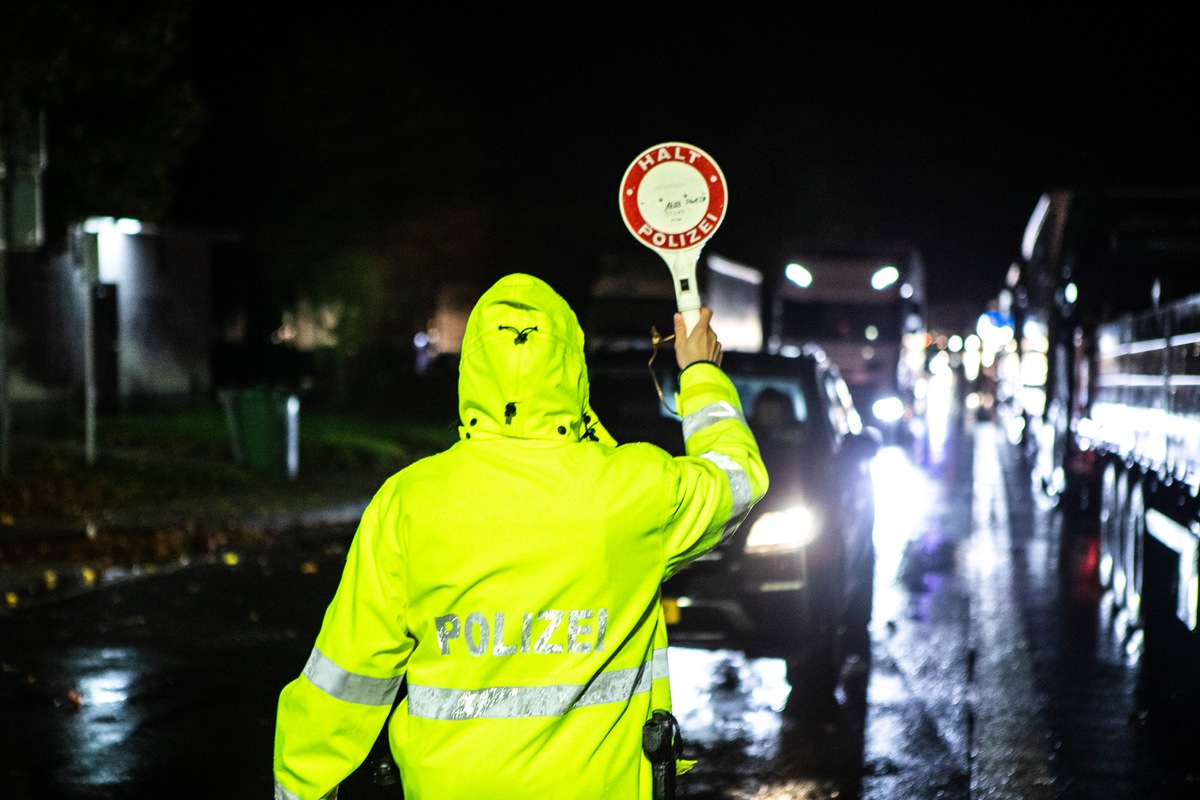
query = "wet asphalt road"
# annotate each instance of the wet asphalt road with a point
(996, 670)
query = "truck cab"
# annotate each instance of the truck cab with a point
(865, 307)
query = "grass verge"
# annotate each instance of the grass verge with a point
(144, 459)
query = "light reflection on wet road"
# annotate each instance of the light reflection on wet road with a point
(983, 680)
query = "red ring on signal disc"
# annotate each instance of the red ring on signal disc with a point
(714, 213)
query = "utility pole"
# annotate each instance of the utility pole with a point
(90, 260)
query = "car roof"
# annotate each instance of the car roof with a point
(731, 360)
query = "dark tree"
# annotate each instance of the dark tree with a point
(119, 116)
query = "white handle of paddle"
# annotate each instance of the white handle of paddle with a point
(682, 264)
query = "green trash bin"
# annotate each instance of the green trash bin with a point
(264, 429)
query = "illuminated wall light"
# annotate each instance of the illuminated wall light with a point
(125, 225)
(97, 224)
(884, 277)
(798, 275)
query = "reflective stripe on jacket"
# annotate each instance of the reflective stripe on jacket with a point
(513, 580)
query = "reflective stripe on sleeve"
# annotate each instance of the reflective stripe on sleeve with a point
(337, 682)
(283, 794)
(710, 415)
(739, 486)
(514, 702)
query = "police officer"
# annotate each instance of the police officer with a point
(513, 580)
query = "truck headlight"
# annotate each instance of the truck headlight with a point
(781, 531)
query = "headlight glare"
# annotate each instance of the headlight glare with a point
(781, 531)
(888, 409)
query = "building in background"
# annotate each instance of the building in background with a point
(135, 299)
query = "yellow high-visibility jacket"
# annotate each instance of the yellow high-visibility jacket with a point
(513, 580)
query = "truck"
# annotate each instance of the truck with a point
(863, 305)
(1106, 315)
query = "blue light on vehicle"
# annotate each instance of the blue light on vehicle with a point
(781, 531)
(888, 409)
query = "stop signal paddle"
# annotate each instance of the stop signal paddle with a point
(673, 198)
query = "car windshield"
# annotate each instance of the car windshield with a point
(625, 399)
(771, 401)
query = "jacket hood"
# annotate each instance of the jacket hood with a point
(522, 372)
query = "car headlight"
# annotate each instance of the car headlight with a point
(780, 531)
(888, 409)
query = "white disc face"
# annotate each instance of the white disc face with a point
(673, 197)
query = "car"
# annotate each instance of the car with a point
(796, 579)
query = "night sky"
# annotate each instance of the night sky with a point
(940, 131)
